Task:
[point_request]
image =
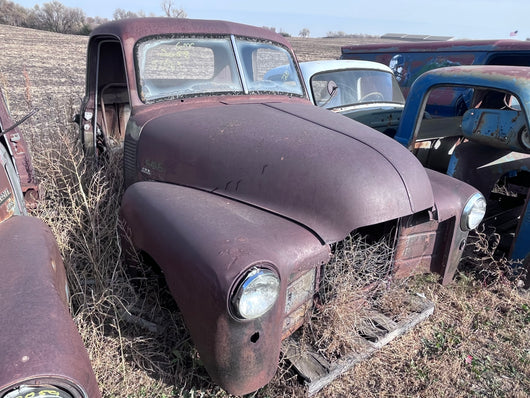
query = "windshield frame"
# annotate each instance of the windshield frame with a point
(236, 68)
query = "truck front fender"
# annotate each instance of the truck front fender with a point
(40, 343)
(205, 244)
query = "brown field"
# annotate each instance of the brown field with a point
(477, 342)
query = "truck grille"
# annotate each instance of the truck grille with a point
(364, 257)
(129, 160)
(366, 260)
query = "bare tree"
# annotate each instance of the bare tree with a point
(171, 11)
(120, 13)
(304, 33)
(56, 17)
(12, 14)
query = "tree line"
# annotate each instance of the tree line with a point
(56, 17)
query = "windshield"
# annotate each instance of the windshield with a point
(177, 67)
(350, 87)
(268, 68)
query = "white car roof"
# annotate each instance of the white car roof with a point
(310, 68)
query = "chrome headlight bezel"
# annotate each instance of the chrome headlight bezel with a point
(473, 212)
(39, 390)
(255, 293)
(524, 138)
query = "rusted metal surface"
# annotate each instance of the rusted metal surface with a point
(129, 32)
(484, 166)
(415, 249)
(512, 79)
(411, 60)
(41, 347)
(435, 244)
(489, 144)
(265, 140)
(496, 122)
(450, 197)
(440, 47)
(204, 243)
(11, 201)
(499, 128)
(18, 148)
(424, 245)
(40, 343)
(299, 300)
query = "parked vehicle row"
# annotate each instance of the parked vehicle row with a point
(486, 143)
(240, 188)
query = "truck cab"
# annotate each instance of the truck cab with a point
(488, 146)
(409, 60)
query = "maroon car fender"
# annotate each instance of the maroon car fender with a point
(205, 243)
(40, 343)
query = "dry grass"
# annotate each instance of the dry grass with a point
(475, 344)
(353, 283)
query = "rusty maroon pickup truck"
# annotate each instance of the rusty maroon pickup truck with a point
(240, 189)
(42, 354)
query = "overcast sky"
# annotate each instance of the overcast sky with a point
(472, 19)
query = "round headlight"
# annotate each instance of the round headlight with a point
(42, 391)
(256, 294)
(473, 212)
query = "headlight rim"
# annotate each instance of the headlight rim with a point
(466, 211)
(524, 138)
(243, 277)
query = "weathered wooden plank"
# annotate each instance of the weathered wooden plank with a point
(378, 331)
(309, 365)
(383, 321)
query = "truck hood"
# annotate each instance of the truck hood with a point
(322, 170)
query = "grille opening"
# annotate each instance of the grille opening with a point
(355, 279)
(505, 207)
(359, 263)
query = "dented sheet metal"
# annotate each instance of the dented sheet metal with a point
(224, 184)
(40, 343)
